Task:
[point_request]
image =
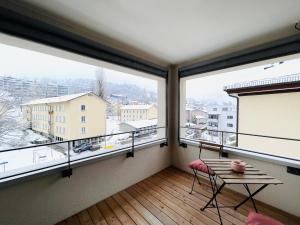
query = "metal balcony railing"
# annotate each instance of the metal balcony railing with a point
(265, 82)
(103, 147)
(233, 144)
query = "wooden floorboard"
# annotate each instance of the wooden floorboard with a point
(164, 199)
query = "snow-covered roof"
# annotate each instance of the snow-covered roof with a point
(264, 83)
(141, 123)
(190, 124)
(136, 106)
(63, 98)
(189, 109)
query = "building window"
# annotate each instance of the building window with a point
(83, 130)
(212, 116)
(82, 119)
(225, 109)
(82, 107)
(229, 117)
(229, 125)
(215, 109)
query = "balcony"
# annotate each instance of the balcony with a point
(164, 198)
(77, 170)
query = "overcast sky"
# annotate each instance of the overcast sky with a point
(23, 63)
(211, 87)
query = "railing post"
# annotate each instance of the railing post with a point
(222, 144)
(131, 153)
(68, 172)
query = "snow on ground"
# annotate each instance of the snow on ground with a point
(112, 127)
(17, 159)
(36, 157)
(23, 158)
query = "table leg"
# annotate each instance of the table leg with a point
(253, 201)
(214, 197)
(251, 196)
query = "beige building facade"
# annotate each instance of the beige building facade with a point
(67, 117)
(138, 112)
(271, 110)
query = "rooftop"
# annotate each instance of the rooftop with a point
(63, 98)
(276, 84)
(136, 106)
(142, 123)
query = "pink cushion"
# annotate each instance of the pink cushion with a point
(200, 166)
(259, 219)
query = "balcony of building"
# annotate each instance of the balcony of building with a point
(164, 198)
(144, 180)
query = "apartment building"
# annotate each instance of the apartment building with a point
(67, 117)
(138, 112)
(269, 107)
(26, 89)
(222, 118)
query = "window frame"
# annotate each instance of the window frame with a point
(22, 43)
(274, 158)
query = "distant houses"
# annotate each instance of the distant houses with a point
(140, 127)
(195, 117)
(135, 112)
(67, 117)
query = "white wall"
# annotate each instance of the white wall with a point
(284, 196)
(50, 199)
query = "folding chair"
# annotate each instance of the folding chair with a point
(199, 166)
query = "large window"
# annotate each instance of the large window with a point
(256, 101)
(90, 107)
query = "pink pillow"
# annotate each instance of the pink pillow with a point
(259, 219)
(200, 166)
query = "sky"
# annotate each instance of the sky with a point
(23, 63)
(211, 87)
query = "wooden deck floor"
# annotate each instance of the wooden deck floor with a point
(164, 199)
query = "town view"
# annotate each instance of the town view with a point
(47, 99)
(264, 92)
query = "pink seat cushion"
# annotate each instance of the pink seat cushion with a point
(259, 219)
(200, 166)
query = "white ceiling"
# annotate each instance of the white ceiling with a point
(179, 31)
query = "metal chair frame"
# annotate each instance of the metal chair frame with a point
(196, 171)
(212, 178)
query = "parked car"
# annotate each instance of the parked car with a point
(96, 146)
(82, 147)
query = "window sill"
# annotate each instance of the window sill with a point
(18, 178)
(257, 156)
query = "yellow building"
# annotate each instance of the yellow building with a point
(67, 117)
(270, 109)
(137, 112)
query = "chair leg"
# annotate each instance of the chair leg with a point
(197, 178)
(195, 175)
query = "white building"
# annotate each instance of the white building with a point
(221, 118)
(140, 127)
(192, 113)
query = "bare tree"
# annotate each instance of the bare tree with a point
(100, 82)
(9, 116)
